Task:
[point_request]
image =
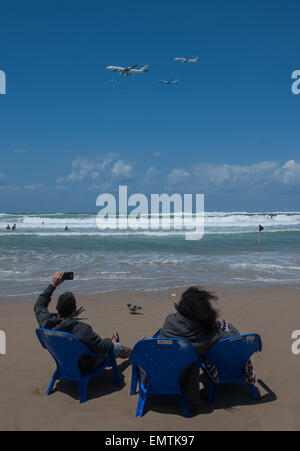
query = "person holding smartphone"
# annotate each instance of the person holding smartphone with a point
(65, 320)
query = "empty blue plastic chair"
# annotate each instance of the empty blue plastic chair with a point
(66, 350)
(163, 361)
(230, 356)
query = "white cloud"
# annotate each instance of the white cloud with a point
(100, 187)
(83, 163)
(81, 168)
(106, 160)
(289, 173)
(224, 175)
(178, 176)
(84, 168)
(261, 175)
(150, 175)
(33, 186)
(9, 188)
(122, 170)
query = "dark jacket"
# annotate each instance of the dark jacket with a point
(179, 326)
(82, 331)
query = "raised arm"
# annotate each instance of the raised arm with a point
(44, 318)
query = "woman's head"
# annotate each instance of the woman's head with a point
(196, 304)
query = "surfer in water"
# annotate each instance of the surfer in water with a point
(67, 228)
(14, 227)
(7, 227)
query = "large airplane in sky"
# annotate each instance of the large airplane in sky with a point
(131, 70)
(169, 82)
(187, 60)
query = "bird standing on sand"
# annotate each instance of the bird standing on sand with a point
(133, 308)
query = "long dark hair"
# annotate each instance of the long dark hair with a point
(195, 304)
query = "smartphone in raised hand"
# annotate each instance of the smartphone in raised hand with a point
(68, 276)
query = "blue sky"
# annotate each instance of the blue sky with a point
(230, 129)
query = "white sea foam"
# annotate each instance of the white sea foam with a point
(265, 266)
(215, 222)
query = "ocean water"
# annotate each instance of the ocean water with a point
(227, 255)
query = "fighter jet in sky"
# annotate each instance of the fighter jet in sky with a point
(187, 60)
(169, 82)
(128, 70)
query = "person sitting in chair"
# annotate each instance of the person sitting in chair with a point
(65, 320)
(197, 321)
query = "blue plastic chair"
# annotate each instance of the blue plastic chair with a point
(66, 350)
(230, 356)
(163, 360)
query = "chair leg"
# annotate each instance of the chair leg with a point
(82, 390)
(254, 392)
(141, 403)
(212, 392)
(134, 379)
(187, 413)
(52, 382)
(116, 373)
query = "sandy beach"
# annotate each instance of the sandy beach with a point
(26, 368)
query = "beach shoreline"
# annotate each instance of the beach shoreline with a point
(26, 368)
(242, 288)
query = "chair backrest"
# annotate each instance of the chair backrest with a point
(230, 355)
(66, 350)
(163, 359)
